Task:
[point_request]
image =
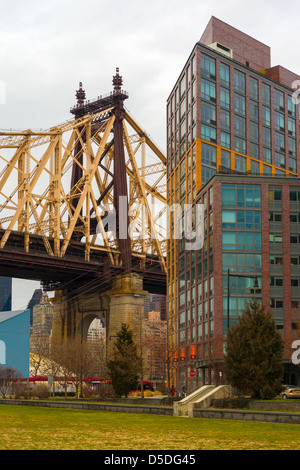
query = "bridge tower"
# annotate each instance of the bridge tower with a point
(123, 302)
(81, 211)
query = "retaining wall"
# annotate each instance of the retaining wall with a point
(121, 408)
(248, 415)
(245, 415)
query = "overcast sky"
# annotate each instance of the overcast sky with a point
(47, 48)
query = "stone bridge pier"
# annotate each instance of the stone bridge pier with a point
(123, 303)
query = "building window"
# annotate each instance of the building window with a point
(224, 98)
(240, 164)
(267, 157)
(225, 139)
(294, 195)
(207, 173)
(208, 133)
(224, 74)
(291, 107)
(267, 138)
(275, 194)
(241, 195)
(225, 158)
(277, 260)
(275, 238)
(240, 285)
(279, 121)
(240, 145)
(249, 241)
(273, 217)
(279, 142)
(239, 104)
(208, 66)
(208, 154)
(208, 90)
(225, 120)
(278, 100)
(240, 126)
(239, 81)
(208, 113)
(291, 127)
(241, 262)
(253, 111)
(253, 88)
(279, 159)
(266, 94)
(266, 116)
(292, 147)
(267, 170)
(254, 165)
(254, 132)
(241, 219)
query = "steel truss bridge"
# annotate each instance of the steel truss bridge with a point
(66, 193)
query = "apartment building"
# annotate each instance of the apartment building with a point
(233, 147)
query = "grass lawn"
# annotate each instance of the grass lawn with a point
(34, 428)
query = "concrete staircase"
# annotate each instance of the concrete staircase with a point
(201, 398)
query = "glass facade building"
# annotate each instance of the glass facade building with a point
(5, 294)
(233, 147)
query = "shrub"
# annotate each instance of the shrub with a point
(42, 391)
(23, 391)
(230, 402)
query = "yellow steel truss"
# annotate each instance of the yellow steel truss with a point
(36, 197)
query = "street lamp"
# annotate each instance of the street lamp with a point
(228, 290)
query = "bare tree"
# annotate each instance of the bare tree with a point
(7, 379)
(38, 355)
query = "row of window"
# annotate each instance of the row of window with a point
(278, 282)
(278, 260)
(240, 262)
(241, 219)
(208, 70)
(246, 241)
(240, 195)
(278, 238)
(208, 114)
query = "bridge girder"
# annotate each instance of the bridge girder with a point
(38, 198)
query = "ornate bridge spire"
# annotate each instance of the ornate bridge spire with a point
(117, 81)
(80, 95)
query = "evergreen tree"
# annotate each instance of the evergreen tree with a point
(253, 359)
(125, 363)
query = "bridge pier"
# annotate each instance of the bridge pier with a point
(126, 305)
(123, 303)
(73, 314)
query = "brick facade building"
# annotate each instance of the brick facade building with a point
(232, 131)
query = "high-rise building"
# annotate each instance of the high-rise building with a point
(35, 299)
(233, 148)
(42, 318)
(156, 348)
(5, 294)
(156, 303)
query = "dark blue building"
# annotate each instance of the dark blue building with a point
(5, 293)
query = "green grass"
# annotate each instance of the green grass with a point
(37, 428)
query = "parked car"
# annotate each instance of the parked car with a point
(291, 391)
